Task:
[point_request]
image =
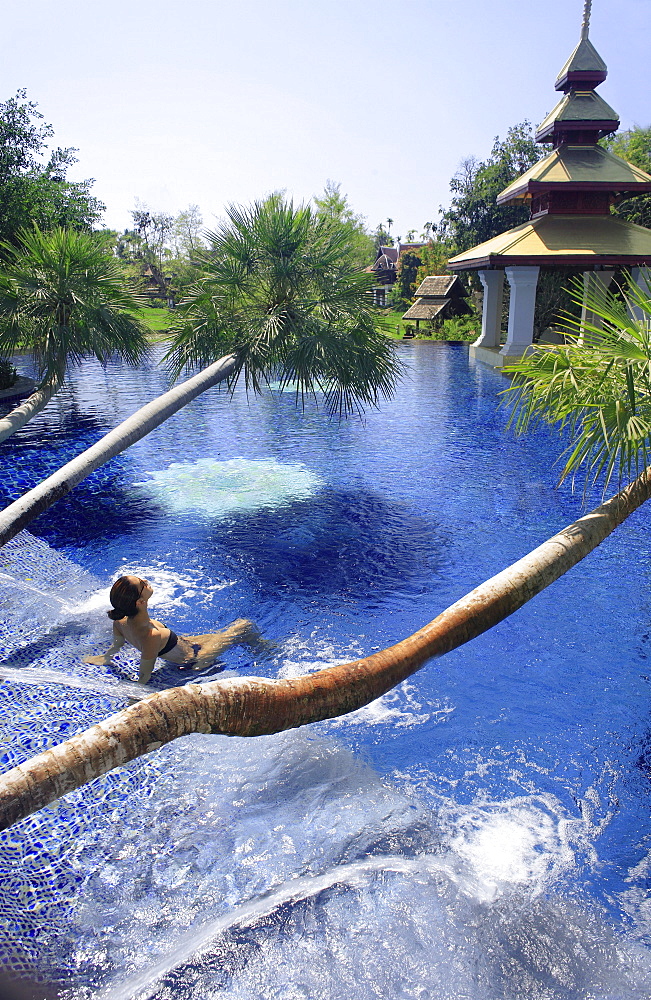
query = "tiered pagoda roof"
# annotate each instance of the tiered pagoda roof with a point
(562, 241)
(570, 192)
(577, 168)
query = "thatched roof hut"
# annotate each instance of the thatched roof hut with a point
(438, 297)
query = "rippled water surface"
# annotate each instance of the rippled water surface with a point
(482, 832)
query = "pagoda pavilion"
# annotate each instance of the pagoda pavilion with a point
(570, 193)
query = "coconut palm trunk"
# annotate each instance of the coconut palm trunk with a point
(19, 514)
(34, 403)
(255, 706)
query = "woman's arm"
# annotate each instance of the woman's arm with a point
(149, 654)
(118, 643)
(146, 667)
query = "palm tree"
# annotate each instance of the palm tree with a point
(62, 298)
(596, 387)
(281, 291)
(281, 299)
(254, 706)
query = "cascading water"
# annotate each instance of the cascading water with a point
(480, 832)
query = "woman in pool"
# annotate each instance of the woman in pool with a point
(131, 623)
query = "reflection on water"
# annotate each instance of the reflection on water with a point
(339, 544)
(481, 832)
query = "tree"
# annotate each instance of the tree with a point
(633, 145)
(186, 233)
(280, 299)
(254, 706)
(407, 271)
(333, 205)
(160, 250)
(154, 231)
(596, 388)
(62, 297)
(33, 191)
(473, 215)
(283, 290)
(381, 238)
(434, 257)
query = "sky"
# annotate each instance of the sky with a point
(220, 102)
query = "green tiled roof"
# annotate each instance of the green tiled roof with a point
(584, 59)
(578, 165)
(577, 106)
(560, 236)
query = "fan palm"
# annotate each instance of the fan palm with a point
(596, 387)
(281, 291)
(63, 297)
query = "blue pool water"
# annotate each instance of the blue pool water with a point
(482, 832)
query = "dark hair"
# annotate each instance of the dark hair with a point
(123, 597)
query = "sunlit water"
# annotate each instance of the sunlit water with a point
(482, 832)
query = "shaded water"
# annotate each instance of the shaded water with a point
(481, 832)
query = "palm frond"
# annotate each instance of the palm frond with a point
(596, 388)
(280, 290)
(63, 297)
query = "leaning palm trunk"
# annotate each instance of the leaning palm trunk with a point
(255, 706)
(19, 514)
(38, 400)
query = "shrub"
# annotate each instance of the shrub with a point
(8, 374)
(459, 328)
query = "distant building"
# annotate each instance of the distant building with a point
(438, 297)
(385, 269)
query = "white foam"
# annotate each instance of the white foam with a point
(217, 489)
(301, 898)
(525, 842)
(400, 708)
(171, 589)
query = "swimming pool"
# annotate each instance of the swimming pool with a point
(480, 832)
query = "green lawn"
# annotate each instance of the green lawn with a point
(391, 323)
(159, 320)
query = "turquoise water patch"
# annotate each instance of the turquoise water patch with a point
(294, 387)
(217, 489)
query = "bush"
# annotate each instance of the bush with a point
(459, 328)
(8, 375)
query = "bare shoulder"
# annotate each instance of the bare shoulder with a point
(150, 641)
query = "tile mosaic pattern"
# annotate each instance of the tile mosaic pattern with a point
(41, 631)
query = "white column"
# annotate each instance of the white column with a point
(642, 279)
(523, 282)
(594, 283)
(491, 317)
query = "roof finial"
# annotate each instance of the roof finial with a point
(586, 19)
